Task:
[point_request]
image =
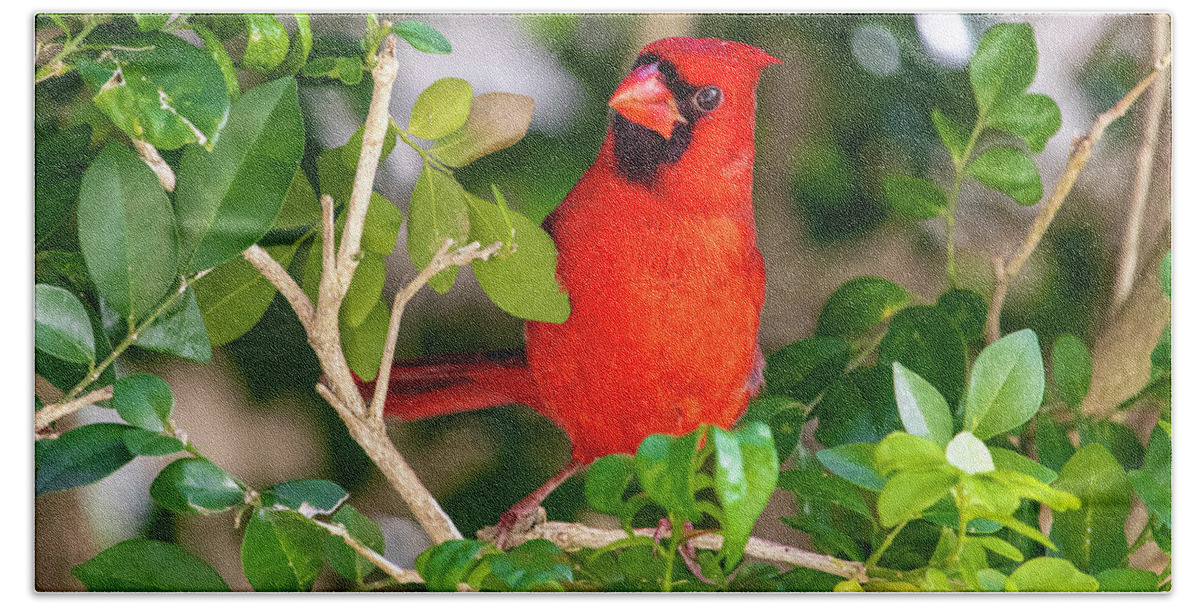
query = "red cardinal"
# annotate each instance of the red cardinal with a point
(656, 248)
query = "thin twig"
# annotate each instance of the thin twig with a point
(572, 537)
(279, 277)
(395, 572)
(1127, 260)
(43, 417)
(442, 260)
(150, 155)
(1081, 153)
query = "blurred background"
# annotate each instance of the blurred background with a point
(850, 102)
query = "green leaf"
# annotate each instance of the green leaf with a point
(745, 473)
(900, 451)
(216, 51)
(1118, 439)
(227, 199)
(300, 207)
(158, 88)
(927, 342)
(1053, 446)
(266, 42)
(1093, 537)
(966, 310)
(990, 580)
(64, 375)
(968, 454)
(143, 400)
(145, 565)
(665, 467)
(59, 162)
(1071, 364)
(520, 278)
(923, 410)
(1003, 65)
(320, 66)
(1010, 171)
(299, 49)
(802, 369)
(534, 564)
(786, 429)
(79, 457)
(1164, 274)
(915, 197)
(363, 344)
(815, 485)
(1125, 580)
(1160, 357)
(859, 407)
(349, 70)
(1157, 496)
(383, 224)
(1032, 117)
(496, 121)
(196, 486)
(1029, 487)
(1042, 574)
(859, 305)
(365, 289)
(1157, 463)
(1007, 382)
(953, 135)
(1008, 460)
(999, 547)
(909, 492)
(440, 109)
(437, 212)
(607, 479)
(281, 551)
(446, 564)
(344, 560)
(422, 37)
(179, 331)
(127, 232)
(235, 295)
(854, 462)
(352, 149)
(61, 326)
(147, 22)
(307, 497)
(141, 442)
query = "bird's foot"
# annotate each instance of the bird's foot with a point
(515, 523)
(686, 550)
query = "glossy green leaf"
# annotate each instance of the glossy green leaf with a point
(1010, 171)
(1043, 574)
(1125, 580)
(1118, 439)
(437, 212)
(999, 547)
(1157, 496)
(143, 400)
(299, 49)
(59, 162)
(196, 486)
(1071, 364)
(79, 457)
(859, 407)
(228, 199)
(61, 326)
(344, 560)
(1032, 117)
(967, 310)
(786, 428)
(363, 344)
(1007, 382)
(927, 342)
(909, 492)
(179, 331)
(495, 122)
(422, 37)
(607, 479)
(665, 467)
(1004, 64)
(365, 289)
(1160, 357)
(813, 484)
(899, 451)
(446, 564)
(1093, 537)
(349, 70)
(307, 497)
(281, 551)
(1030, 487)
(127, 232)
(854, 462)
(216, 51)
(859, 305)
(300, 207)
(802, 369)
(953, 135)
(266, 42)
(1157, 463)
(158, 88)
(147, 565)
(235, 295)
(65, 375)
(967, 453)
(1053, 446)
(745, 473)
(915, 197)
(352, 149)
(520, 278)
(923, 410)
(141, 442)
(535, 564)
(1008, 460)
(440, 109)
(147, 22)
(383, 224)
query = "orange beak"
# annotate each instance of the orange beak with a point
(643, 98)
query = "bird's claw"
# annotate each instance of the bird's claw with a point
(515, 522)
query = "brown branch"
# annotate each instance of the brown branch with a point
(1127, 260)
(572, 537)
(1081, 153)
(45, 416)
(279, 277)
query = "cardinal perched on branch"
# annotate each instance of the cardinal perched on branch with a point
(656, 249)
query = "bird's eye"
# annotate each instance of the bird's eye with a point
(708, 98)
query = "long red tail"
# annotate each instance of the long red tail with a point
(434, 386)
